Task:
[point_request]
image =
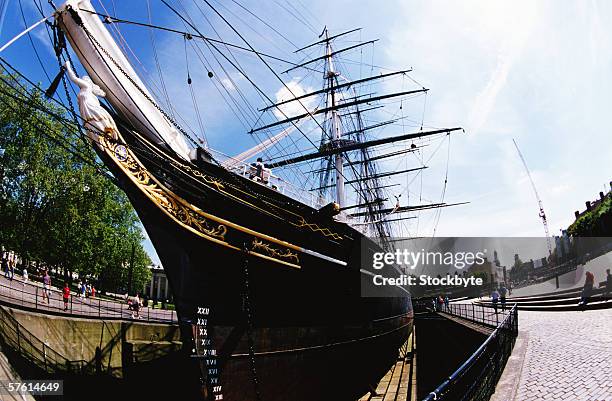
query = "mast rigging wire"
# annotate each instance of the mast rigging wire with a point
(240, 70)
(13, 40)
(199, 36)
(31, 41)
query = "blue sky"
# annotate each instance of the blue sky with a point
(536, 71)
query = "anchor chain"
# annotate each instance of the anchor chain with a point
(246, 304)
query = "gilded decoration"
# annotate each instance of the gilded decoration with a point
(314, 227)
(286, 254)
(186, 214)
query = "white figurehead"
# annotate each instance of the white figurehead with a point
(97, 119)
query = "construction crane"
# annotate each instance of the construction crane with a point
(535, 191)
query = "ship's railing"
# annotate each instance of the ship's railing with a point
(247, 171)
(29, 295)
(476, 378)
(18, 339)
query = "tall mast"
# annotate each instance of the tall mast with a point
(335, 123)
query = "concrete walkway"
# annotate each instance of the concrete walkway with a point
(567, 357)
(30, 295)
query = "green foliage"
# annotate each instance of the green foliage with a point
(594, 222)
(54, 207)
(483, 275)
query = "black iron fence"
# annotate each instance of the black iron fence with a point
(34, 296)
(477, 313)
(476, 378)
(17, 338)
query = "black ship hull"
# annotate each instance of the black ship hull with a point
(287, 320)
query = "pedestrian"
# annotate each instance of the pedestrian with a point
(66, 295)
(434, 303)
(11, 266)
(608, 288)
(88, 289)
(79, 288)
(5, 264)
(502, 296)
(46, 286)
(587, 290)
(446, 301)
(83, 290)
(495, 299)
(93, 291)
(25, 275)
(136, 307)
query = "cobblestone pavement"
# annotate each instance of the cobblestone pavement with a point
(568, 357)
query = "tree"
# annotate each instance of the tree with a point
(55, 205)
(594, 223)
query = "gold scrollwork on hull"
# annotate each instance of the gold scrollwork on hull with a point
(301, 223)
(186, 214)
(207, 179)
(284, 254)
(315, 227)
(213, 228)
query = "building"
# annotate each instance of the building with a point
(158, 289)
(494, 272)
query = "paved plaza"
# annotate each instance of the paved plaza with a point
(29, 295)
(568, 356)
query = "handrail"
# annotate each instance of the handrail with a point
(243, 169)
(465, 366)
(15, 336)
(29, 296)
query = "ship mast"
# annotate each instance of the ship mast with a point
(335, 122)
(346, 159)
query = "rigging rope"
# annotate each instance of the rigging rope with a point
(32, 43)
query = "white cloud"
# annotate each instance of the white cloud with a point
(228, 84)
(514, 24)
(293, 89)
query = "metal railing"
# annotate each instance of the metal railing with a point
(476, 378)
(31, 295)
(286, 188)
(17, 338)
(478, 313)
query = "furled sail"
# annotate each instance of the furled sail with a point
(108, 68)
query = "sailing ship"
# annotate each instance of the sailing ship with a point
(267, 276)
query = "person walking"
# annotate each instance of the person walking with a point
(47, 287)
(446, 302)
(136, 307)
(502, 296)
(495, 299)
(587, 290)
(5, 264)
(25, 275)
(11, 266)
(608, 285)
(66, 295)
